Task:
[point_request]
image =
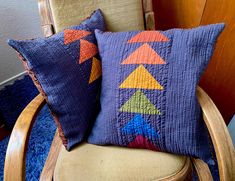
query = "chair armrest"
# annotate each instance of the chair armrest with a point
(46, 18)
(49, 166)
(202, 169)
(148, 15)
(14, 168)
(221, 139)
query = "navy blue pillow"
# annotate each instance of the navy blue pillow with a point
(66, 69)
(148, 94)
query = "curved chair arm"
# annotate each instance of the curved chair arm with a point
(221, 139)
(149, 15)
(14, 168)
(202, 169)
(46, 18)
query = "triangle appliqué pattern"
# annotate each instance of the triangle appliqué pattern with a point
(74, 35)
(139, 103)
(148, 36)
(138, 126)
(142, 142)
(140, 78)
(95, 70)
(144, 55)
(87, 50)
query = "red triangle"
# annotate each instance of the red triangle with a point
(142, 142)
(74, 35)
(148, 36)
(144, 55)
(87, 50)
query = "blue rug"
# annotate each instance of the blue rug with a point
(39, 145)
(14, 98)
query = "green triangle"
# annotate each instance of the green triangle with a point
(139, 103)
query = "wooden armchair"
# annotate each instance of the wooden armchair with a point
(90, 162)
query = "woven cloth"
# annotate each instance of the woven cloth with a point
(66, 69)
(148, 94)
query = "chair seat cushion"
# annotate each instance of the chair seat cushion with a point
(92, 162)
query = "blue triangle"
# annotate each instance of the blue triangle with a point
(138, 126)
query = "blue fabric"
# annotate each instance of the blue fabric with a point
(3, 148)
(14, 98)
(56, 70)
(179, 124)
(138, 126)
(231, 129)
(39, 145)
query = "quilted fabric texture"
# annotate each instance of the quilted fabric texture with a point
(148, 96)
(66, 69)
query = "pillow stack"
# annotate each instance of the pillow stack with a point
(148, 90)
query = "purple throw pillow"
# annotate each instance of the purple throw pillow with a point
(66, 69)
(148, 94)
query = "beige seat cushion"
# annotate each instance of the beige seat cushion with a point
(109, 163)
(120, 15)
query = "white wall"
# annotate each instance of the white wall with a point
(19, 19)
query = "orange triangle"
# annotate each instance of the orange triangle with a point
(95, 70)
(140, 78)
(74, 35)
(148, 36)
(87, 50)
(144, 55)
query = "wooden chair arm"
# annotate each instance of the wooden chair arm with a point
(49, 166)
(46, 18)
(202, 169)
(148, 15)
(14, 168)
(221, 139)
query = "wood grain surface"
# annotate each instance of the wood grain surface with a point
(14, 168)
(49, 167)
(202, 169)
(219, 79)
(177, 13)
(219, 134)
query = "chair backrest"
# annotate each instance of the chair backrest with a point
(120, 15)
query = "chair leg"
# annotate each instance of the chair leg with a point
(202, 169)
(49, 167)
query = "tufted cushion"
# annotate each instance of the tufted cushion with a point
(66, 70)
(91, 162)
(121, 15)
(148, 96)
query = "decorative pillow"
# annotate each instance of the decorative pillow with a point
(65, 68)
(148, 94)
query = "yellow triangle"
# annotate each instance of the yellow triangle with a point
(140, 78)
(95, 70)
